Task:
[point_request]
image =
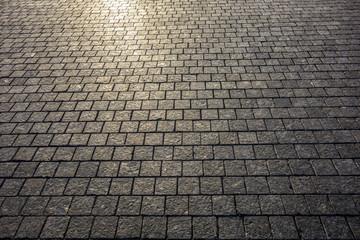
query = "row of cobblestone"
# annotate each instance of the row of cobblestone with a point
(147, 185)
(159, 227)
(190, 205)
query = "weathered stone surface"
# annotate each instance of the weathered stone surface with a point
(180, 119)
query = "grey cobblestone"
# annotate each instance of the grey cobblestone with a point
(129, 227)
(79, 227)
(204, 227)
(179, 119)
(55, 227)
(104, 227)
(30, 227)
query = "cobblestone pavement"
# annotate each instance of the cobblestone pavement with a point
(180, 119)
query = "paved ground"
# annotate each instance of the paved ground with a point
(180, 119)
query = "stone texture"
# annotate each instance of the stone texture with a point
(179, 119)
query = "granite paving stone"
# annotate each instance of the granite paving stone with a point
(180, 119)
